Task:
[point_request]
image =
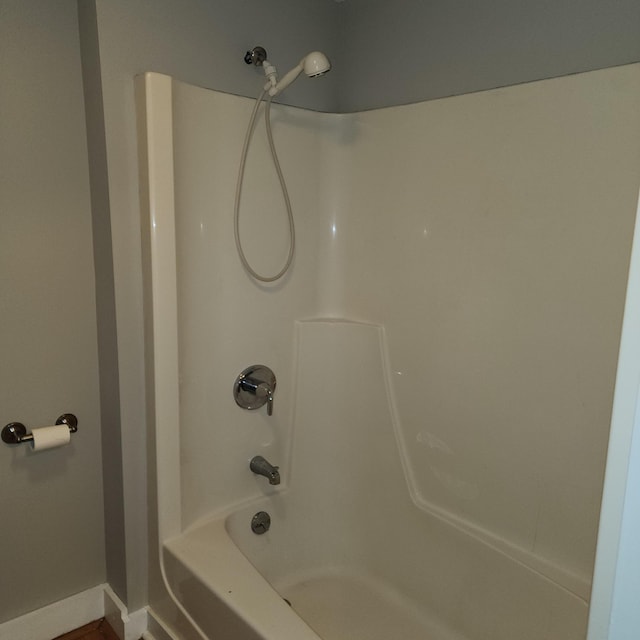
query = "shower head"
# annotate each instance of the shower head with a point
(314, 64)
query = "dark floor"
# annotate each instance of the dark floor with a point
(96, 630)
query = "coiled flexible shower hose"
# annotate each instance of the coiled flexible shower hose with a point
(236, 209)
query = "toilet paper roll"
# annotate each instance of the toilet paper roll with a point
(50, 437)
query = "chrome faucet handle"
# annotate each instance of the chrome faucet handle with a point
(264, 391)
(255, 387)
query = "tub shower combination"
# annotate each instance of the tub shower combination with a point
(418, 452)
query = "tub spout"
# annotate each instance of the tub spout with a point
(260, 466)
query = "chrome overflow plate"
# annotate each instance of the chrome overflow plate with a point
(255, 387)
(260, 523)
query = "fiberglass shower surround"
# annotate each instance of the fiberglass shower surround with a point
(445, 346)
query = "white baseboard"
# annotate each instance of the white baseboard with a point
(57, 618)
(80, 609)
(128, 626)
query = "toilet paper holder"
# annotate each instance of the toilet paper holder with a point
(16, 432)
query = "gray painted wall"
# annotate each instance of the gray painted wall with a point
(203, 42)
(403, 51)
(51, 536)
(112, 471)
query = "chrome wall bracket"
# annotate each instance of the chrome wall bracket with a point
(255, 56)
(255, 387)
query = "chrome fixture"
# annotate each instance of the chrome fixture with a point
(255, 387)
(262, 467)
(260, 523)
(256, 56)
(16, 432)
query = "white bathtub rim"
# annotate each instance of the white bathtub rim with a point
(236, 582)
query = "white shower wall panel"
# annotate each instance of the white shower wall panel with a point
(226, 321)
(489, 234)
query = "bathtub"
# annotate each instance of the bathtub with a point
(237, 586)
(349, 555)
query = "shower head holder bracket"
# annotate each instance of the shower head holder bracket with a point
(256, 56)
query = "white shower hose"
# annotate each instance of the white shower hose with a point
(283, 186)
